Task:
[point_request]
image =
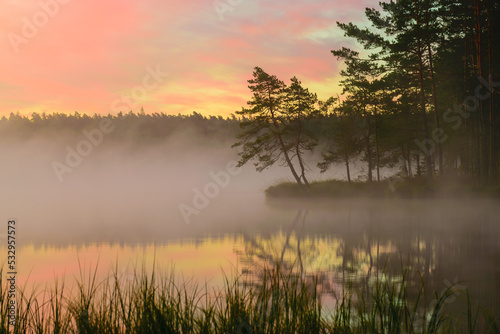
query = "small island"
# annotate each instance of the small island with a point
(391, 188)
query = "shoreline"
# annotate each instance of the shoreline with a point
(385, 189)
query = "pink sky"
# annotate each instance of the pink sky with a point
(90, 56)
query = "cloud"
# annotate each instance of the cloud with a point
(90, 52)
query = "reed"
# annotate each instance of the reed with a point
(277, 300)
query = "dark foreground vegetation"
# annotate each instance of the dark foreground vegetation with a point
(281, 301)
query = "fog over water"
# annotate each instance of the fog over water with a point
(129, 193)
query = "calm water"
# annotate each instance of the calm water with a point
(120, 209)
(446, 241)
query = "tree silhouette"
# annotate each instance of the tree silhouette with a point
(267, 125)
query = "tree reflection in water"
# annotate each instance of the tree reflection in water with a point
(370, 243)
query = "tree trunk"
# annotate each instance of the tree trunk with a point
(493, 166)
(347, 168)
(410, 171)
(405, 162)
(376, 149)
(484, 129)
(434, 96)
(346, 151)
(368, 149)
(299, 154)
(283, 148)
(428, 157)
(436, 110)
(287, 159)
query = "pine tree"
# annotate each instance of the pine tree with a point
(265, 129)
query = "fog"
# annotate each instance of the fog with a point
(132, 192)
(127, 191)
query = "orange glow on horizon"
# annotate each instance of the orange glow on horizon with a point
(53, 65)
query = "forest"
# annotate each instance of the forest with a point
(374, 210)
(419, 96)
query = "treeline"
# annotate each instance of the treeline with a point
(139, 127)
(421, 96)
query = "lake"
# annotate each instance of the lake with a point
(119, 212)
(344, 241)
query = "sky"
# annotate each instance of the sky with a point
(166, 56)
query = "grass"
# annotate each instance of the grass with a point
(414, 188)
(281, 301)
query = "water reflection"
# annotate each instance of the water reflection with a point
(434, 243)
(343, 242)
